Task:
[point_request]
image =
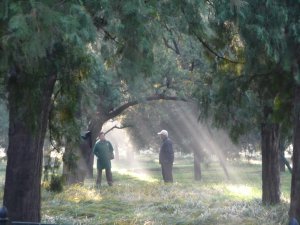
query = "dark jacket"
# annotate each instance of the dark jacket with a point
(166, 153)
(103, 150)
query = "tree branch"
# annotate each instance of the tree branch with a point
(213, 52)
(206, 45)
(109, 35)
(115, 127)
(175, 48)
(252, 77)
(125, 106)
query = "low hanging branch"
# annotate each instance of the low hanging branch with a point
(116, 127)
(119, 110)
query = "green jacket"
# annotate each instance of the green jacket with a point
(103, 150)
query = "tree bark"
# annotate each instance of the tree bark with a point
(95, 127)
(281, 155)
(295, 185)
(76, 158)
(74, 165)
(84, 165)
(28, 117)
(270, 164)
(86, 153)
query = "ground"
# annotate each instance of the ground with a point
(140, 197)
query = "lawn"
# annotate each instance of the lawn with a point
(139, 197)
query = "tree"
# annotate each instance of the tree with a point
(279, 36)
(167, 77)
(292, 63)
(4, 125)
(43, 45)
(269, 28)
(121, 54)
(243, 93)
(124, 37)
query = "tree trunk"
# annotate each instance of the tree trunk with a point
(28, 117)
(95, 127)
(84, 167)
(295, 186)
(197, 166)
(86, 151)
(270, 164)
(75, 160)
(74, 166)
(281, 155)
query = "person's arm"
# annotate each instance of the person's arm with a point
(169, 147)
(111, 150)
(170, 151)
(111, 147)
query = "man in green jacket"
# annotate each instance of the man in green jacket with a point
(104, 151)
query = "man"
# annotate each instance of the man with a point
(166, 157)
(104, 151)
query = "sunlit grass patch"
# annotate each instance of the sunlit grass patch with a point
(240, 191)
(155, 203)
(81, 205)
(140, 175)
(134, 201)
(78, 193)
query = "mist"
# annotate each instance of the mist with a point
(187, 133)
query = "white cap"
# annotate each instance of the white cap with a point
(163, 132)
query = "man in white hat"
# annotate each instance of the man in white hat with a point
(166, 157)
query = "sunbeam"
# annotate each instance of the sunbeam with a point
(211, 141)
(126, 163)
(214, 142)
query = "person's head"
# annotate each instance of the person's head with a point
(163, 134)
(102, 135)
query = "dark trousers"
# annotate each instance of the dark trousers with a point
(166, 170)
(108, 174)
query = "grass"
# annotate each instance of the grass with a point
(139, 198)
